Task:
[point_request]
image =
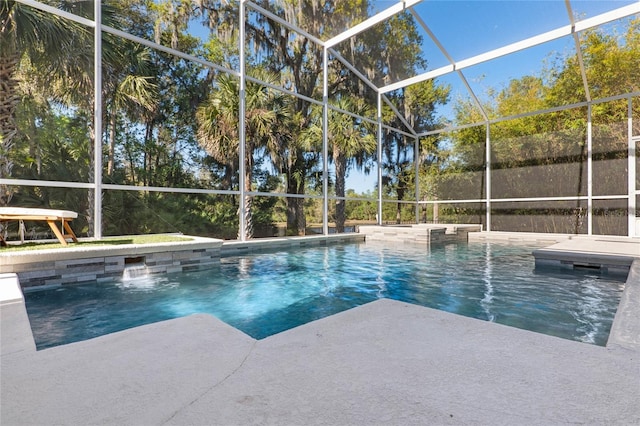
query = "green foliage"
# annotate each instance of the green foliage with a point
(543, 155)
(358, 210)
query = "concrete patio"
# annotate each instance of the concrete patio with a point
(383, 363)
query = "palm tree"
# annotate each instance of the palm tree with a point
(128, 86)
(397, 165)
(303, 61)
(352, 142)
(418, 103)
(266, 115)
(61, 51)
(25, 31)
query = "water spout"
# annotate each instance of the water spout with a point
(133, 272)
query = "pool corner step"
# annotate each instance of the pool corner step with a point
(15, 329)
(608, 256)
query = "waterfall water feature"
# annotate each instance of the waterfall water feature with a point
(134, 271)
(136, 276)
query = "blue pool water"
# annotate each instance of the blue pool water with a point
(264, 294)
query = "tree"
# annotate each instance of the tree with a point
(300, 60)
(26, 32)
(391, 49)
(418, 104)
(128, 85)
(545, 154)
(56, 58)
(266, 115)
(352, 142)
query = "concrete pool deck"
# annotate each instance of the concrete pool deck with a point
(386, 362)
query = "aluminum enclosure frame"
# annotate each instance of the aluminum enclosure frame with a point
(456, 67)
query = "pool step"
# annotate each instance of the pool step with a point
(607, 255)
(418, 234)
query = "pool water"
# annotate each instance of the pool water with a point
(264, 294)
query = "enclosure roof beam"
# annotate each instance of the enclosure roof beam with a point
(353, 69)
(400, 116)
(576, 40)
(372, 86)
(127, 36)
(438, 72)
(529, 114)
(55, 11)
(284, 23)
(564, 31)
(433, 37)
(174, 52)
(368, 23)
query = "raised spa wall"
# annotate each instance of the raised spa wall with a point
(106, 263)
(419, 234)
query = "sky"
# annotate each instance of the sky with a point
(467, 28)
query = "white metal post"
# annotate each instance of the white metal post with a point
(488, 175)
(97, 120)
(242, 233)
(589, 172)
(631, 175)
(379, 158)
(325, 142)
(416, 161)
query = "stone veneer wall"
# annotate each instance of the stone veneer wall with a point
(106, 263)
(109, 268)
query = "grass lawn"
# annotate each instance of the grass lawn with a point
(107, 241)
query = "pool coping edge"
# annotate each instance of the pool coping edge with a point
(625, 329)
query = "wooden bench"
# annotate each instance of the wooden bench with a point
(47, 215)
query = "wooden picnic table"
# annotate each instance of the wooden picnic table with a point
(51, 216)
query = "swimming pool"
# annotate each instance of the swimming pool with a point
(263, 294)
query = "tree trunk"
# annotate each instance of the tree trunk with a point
(296, 221)
(401, 189)
(146, 158)
(112, 141)
(91, 192)
(341, 170)
(248, 200)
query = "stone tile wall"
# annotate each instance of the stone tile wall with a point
(108, 268)
(423, 234)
